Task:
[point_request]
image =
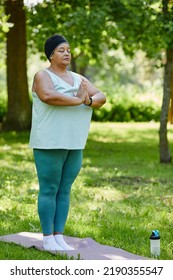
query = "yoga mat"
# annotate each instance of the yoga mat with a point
(88, 248)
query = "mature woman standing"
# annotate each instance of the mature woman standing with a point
(62, 110)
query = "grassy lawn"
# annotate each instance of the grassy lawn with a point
(121, 194)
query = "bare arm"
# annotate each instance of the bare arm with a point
(44, 88)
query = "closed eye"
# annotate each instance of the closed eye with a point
(63, 50)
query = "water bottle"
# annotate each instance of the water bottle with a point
(155, 243)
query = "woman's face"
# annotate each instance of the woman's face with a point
(62, 54)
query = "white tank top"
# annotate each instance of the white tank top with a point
(60, 127)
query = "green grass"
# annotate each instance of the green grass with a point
(121, 194)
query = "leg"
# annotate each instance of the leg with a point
(70, 171)
(49, 168)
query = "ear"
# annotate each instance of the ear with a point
(51, 55)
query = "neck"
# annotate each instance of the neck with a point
(58, 70)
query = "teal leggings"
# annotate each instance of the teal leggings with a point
(56, 171)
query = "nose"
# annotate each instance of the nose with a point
(66, 52)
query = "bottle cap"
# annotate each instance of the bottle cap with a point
(155, 234)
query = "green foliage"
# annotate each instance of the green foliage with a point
(145, 25)
(150, 25)
(72, 19)
(4, 25)
(126, 111)
(121, 194)
(3, 106)
(132, 86)
(94, 27)
(4, 28)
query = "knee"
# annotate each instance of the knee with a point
(48, 187)
(49, 190)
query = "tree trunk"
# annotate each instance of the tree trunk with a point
(78, 69)
(73, 64)
(19, 105)
(165, 155)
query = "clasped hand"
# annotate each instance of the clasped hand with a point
(83, 92)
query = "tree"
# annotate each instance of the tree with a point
(54, 15)
(151, 27)
(89, 24)
(19, 105)
(167, 10)
(81, 22)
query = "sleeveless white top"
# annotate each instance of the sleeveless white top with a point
(60, 127)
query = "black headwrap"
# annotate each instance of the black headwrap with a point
(53, 42)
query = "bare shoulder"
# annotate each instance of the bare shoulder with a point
(41, 75)
(41, 81)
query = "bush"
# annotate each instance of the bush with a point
(126, 111)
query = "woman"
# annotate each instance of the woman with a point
(62, 109)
